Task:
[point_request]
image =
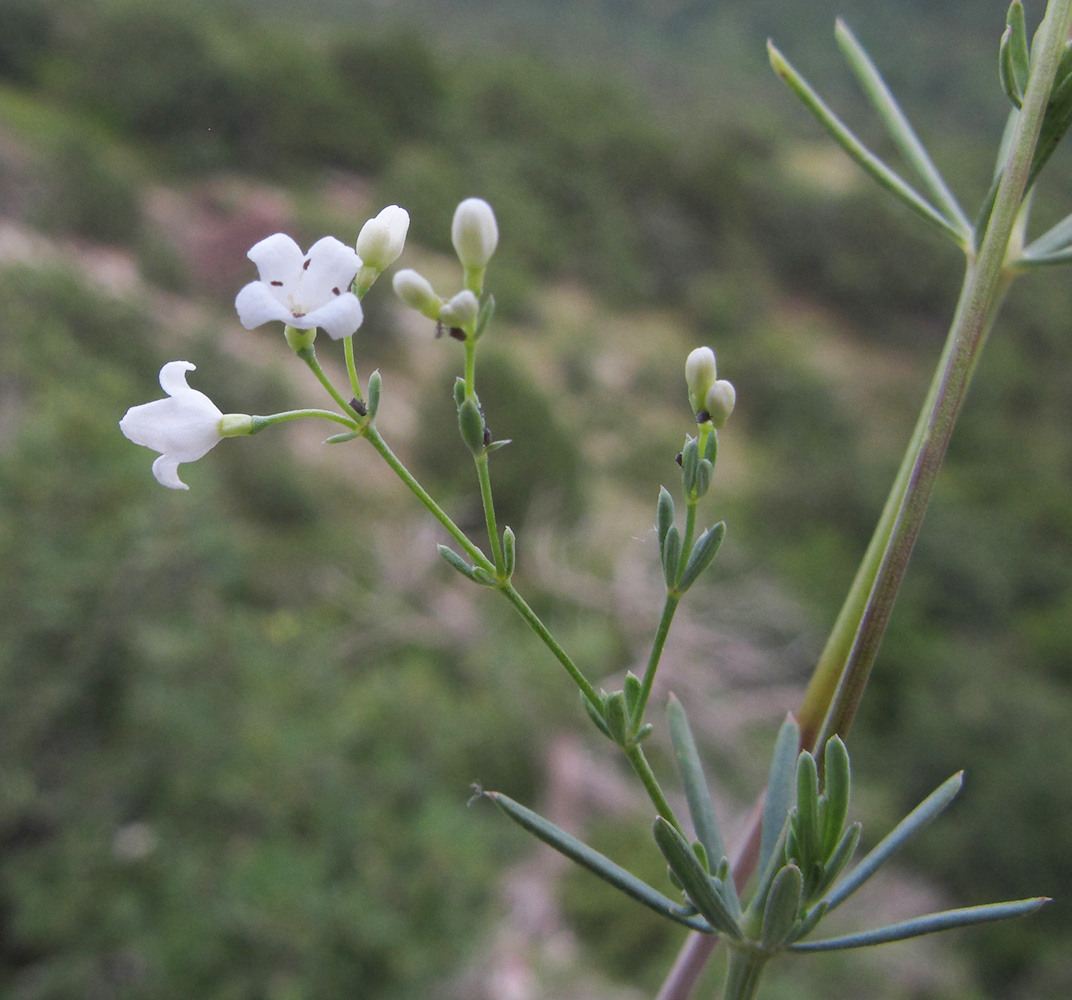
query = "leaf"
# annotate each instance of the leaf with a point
(596, 863)
(901, 131)
(701, 808)
(834, 808)
(702, 890)
(664, 515)
(702, 555)
(930, 924)
(915, 821)
(842, 135)
(779, 789)
(671, 557)
(783, 905)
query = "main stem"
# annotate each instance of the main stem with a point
(839, 680)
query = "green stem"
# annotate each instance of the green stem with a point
(484, 476)
(669, 607)
(372, 435)
(308, 355)
(541, 630)
(260, 423)
(635, 754)
(985, 284)
(351, 367)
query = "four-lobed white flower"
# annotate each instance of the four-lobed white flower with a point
(183, 427)
(302, 290)
(474, 233)
(382, 239)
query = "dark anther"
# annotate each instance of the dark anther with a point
(359, 407)
(678, 459)
(457, 333)
(702, 417)
(336, 291)
(308, 261)
(277, 284)
(487, 436)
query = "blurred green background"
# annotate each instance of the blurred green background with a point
(238, 725)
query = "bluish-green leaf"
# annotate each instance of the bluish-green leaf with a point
(836, 790)
(783, 906)
(596, 863)
(806, 818)
(901, 131)
(779, 789)
(671, 557)
(340, 438)
(698, 884)
(915, 821)
(595, 713)
(664, 515)
(844, 137)
(701, 807)
(947, 920)
(375, 386)
(457, 561)
(702, 555)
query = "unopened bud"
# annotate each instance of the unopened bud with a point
(719, 402)
(474, 233)
(415, 290)
(700, 376)
(461, 310)
(381, 240)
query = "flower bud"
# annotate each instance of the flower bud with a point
(719, 402)
(474, 233)
(415, 290)
(380, 242)
(461, 310)
(700, 376)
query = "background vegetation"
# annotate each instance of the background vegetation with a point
(238, 725)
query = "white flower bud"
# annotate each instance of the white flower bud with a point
(719, 402)
(474, 233)
(381, 240)
(415, 290)
(461, 310)
(700, 375)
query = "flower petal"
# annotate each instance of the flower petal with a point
(258, 304)
(278, 258)
(166, 470)
(338, 318)
(329, 267)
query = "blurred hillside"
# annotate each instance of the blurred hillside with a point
(238, 725)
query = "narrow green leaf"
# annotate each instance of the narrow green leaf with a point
(878, 170)
(1055, 124)
(701, 808)
(710, 451)
(340, 438)
(509, 551)
(595, 713)
(596, 863)
(1007, 71)
(484, 578)
(664, 515)
(915, 821)
(837, 861)
(901, 131)
(836, 791)
(1053, 241)
(456, 561)
(779, 789)
(807, 924)
(703, 554)
(1019, 51)
(633, 691)
(806, 820)
(947, 920)
(697, 882)
(783, 905)
(614, 711)
(487, 310)
(671, 557)
(375, 386)
(690, 460)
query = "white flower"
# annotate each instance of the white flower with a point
(305, 291)
(183, 427)
(474, 233)
(380, 242)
